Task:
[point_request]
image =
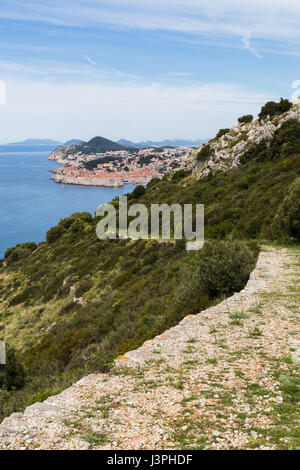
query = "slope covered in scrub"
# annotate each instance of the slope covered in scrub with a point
(73, 303)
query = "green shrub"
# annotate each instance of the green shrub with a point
(272, 108)
(246, 181)
(245, 119)
(82, 216)
(17, 254)
(221, 268)
(289, 211)
(137, 192)
(222, 132)
(286, 140)
(153, 182)
(83, 287)
(55, 233)
(205, 153)
(254, 151)
(12, 374)
(180, 174)
(30, 246)
(77, 226)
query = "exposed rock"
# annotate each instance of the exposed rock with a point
(228, 149)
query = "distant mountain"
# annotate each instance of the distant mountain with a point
(38, 142)
(128, 143)
(100, 144)
(30, 145)
(65, 153)
(74, 142)
(162, 143)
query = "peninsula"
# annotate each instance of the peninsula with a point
(101, 162)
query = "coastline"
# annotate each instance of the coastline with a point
(106, 182)
(116, 168)
(114, 182)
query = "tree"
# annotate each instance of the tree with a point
(55, 233)
(271, 108)
(205, 153)
(138, 192)
(245, 119)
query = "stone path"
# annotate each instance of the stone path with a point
(212, 382)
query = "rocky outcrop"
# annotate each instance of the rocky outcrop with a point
(65, 155)
(228, 149)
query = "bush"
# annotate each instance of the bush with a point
(12, 374)
(221, 268)
(153, 182)
(255, 151)
(30, 246)
(55, 233)
(205, 153)
(180, 174)
(83, 287)
(82, 216)
(77, 226)
(286, 140)
(245, 119)
(272, 108)
(17, 254)
(222, 132)
(137, 192)
(289, 211)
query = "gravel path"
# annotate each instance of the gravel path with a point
(215, 381)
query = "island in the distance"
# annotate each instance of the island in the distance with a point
(102, 162)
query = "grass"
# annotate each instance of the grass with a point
(95, 438)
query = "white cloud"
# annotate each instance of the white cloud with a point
(43, 68)
(48, 69)
(89, 60)
(271, 20)
(246, 42)
(132, 111)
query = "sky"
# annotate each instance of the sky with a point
(142, 69)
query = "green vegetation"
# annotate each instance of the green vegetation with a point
(272, 108)
(289, 212)
(12, 374)
(245, 119)
(129, 292)
(133, 290)
(19, 251)
(137, 192)
(230, 262)
(205, 153)
(222, 132)
(242, 203)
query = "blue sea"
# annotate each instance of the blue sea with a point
(31, 202)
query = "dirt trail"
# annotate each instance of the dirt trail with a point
(222, 379)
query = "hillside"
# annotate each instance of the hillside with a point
(96, 145)
(227, 378)
(73, 304)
